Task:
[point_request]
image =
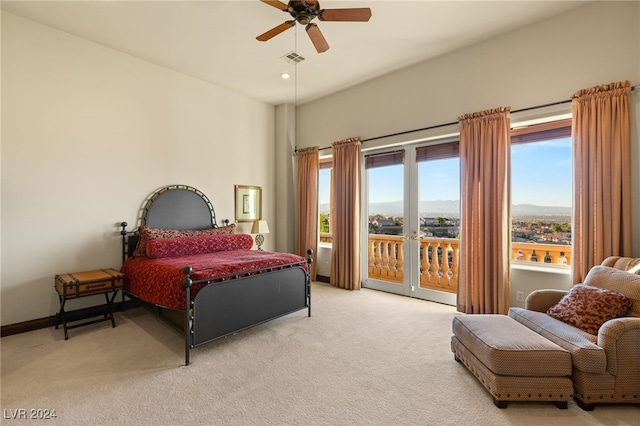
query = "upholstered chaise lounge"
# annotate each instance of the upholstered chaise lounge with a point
(594, 327)
(511, 361)
(606, 364)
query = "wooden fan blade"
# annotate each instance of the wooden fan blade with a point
(362, 14)
(276, 30)
(277, 4)
(317, 38)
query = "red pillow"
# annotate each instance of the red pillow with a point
(587, 307)
(147, 234)
(185, 246)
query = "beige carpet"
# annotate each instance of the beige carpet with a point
(363, 358)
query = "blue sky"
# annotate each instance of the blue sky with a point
(541, 174)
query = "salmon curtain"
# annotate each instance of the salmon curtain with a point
(602, 175)
(485, 240)
(345, 215)
(307, 207)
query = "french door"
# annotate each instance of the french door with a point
(410, 230)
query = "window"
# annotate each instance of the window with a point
(385, 176)
(541, 193)
(324, 201)
(439, 186)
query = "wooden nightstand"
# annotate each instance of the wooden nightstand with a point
(88, 283)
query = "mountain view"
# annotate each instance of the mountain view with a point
(441, 219)
(451, 208)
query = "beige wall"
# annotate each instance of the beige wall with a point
(87, 134)
(285, 173)
(539, 64)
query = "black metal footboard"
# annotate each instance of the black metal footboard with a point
(226, 307)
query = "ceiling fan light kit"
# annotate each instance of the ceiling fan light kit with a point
(304, 12)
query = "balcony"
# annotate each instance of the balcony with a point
(556, 254)
(440, 272)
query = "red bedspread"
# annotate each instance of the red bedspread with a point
(160, 281)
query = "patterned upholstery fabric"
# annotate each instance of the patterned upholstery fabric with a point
(514, 388)
(147, 234)
(588, 307)
(508, 348)
(185, 246)
(618, 281)
(628, 264)
(542, 300)
(513, 362)
(606, 367)
(587, 355)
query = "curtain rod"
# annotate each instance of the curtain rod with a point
(437, 126)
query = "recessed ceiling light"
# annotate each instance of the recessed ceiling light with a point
(285, 76)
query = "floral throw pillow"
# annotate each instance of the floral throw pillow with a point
(587, 307)
(185, 246)
(147, 234)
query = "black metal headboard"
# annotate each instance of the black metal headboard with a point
(172, 207)
(178, 207)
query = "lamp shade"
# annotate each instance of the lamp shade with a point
(260, 227)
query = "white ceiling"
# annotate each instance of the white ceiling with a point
(215, 41)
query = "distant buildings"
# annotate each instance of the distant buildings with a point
(531, 230)
(440, 227)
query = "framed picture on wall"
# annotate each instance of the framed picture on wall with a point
(248, 203)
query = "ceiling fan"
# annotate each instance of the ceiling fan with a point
(304, 11)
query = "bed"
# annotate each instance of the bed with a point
(181, 261)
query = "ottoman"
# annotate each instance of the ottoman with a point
(511, 361)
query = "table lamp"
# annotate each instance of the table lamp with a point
(260, 227)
